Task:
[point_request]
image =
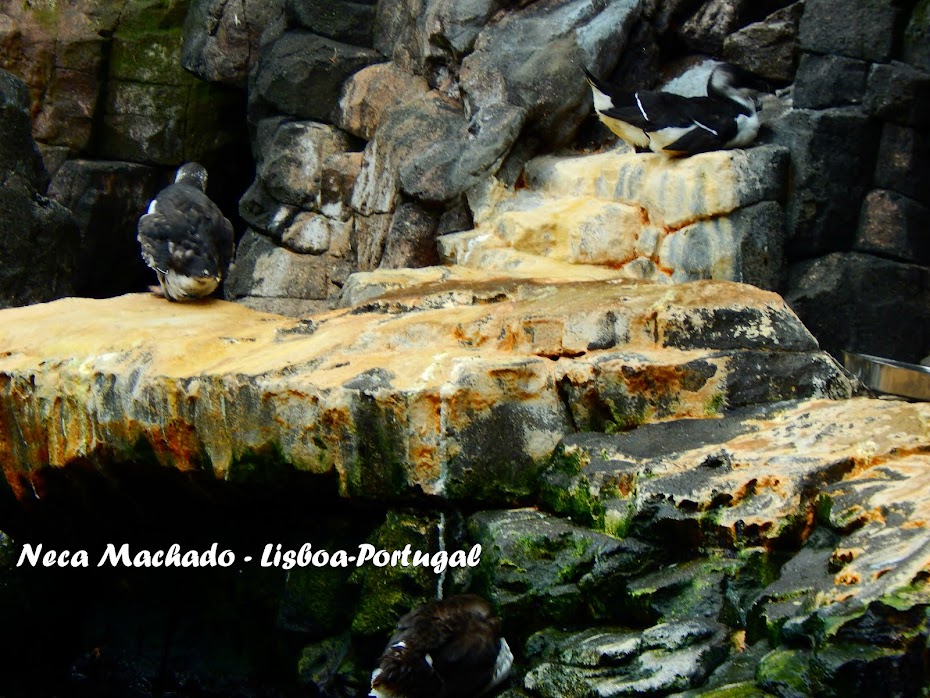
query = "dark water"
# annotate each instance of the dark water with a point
(118, 631)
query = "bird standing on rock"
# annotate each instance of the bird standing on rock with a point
(450, 648)
(672, 124)
(185, 238)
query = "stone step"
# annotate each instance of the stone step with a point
(763, 479)
(458, 389)
(711, 216)
(671, 192)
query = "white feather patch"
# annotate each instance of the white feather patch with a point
(640, 105)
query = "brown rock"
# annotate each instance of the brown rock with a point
(768, 48)
(895, 226)
(370, 92)
(462, 392)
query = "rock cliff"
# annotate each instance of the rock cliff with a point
(506, 331)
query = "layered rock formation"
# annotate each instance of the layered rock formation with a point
(108, 96)
(673, 487)
(344, 393)
(40, 238)
(724, 513)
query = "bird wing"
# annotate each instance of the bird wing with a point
(185, 229)
(154, 236)
(714, 123)
(649, 110)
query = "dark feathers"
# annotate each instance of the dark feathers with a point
(186, 239)
(445, 649)
(674, 124)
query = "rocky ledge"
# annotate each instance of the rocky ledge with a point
(781, 550)
(459, 389)
(706, 507)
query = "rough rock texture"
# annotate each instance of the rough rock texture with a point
(710, 216)
(860, 72)
(863, 30)
(371, 92)
(301, 74)
(767, 48)
(105, 83)
(816, 511)
(829, 81)
(859, 302)
(38, 247)
(340, 392)
(105, 79)
(107, 199)
(222, 39)
(893, 225)
(904, 162)
(832, 158)
(342, 20)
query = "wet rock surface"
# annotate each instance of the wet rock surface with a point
(709, 523)
(583, 355)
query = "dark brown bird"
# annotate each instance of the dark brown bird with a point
(451, 648)
(185, 238)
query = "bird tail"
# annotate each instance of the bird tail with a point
(597, 84)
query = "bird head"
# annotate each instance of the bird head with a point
(729, 82)
(192, 174)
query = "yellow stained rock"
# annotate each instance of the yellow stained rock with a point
(464, 382)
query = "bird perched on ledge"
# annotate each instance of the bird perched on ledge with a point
(450, 648)
(668, 123)
(185, 238)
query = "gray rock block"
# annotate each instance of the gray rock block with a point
(411, 240)
(903, 163)
(264, 270)
(900, 93)
(337, 181)
(107, 199)
(301, 74)
(864, 303)
(292, 161)
(265, 213)
(396, 31)
(531, 58)
(713, 20)
(767, 48)
(832, 158)
(829, 81)
(38, 247)
(222, 38)
(339, 20)
(862, 29)
(18, 151)
(915, 48)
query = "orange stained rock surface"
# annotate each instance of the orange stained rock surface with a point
(204, 383)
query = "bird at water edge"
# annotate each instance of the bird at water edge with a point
(450, 648)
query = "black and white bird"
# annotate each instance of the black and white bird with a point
(668, 123)
(450, 648)
(185, 238)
